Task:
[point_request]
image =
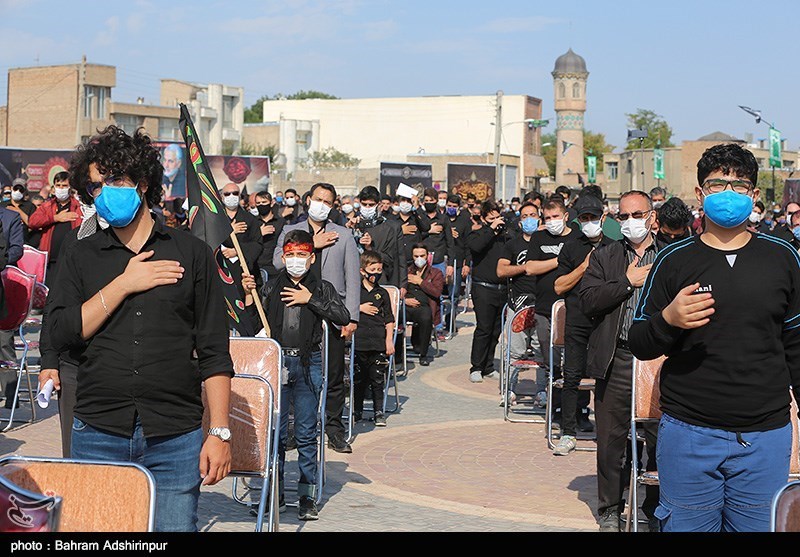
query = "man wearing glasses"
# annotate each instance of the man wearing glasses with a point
(140, 308)
(724, 307)
(609, 292)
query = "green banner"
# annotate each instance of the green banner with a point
(658, 164)
(591, 169)
(775, 157)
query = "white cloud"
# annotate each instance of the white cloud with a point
(107, 35)
(520, 24)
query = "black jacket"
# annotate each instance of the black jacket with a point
(603, 292)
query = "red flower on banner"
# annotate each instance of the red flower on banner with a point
(237, 170)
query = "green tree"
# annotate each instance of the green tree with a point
(765, 183)
(657, 129)
(255, 113)
(254, 149)
(549, 151)
(595, 144)
(331, 158)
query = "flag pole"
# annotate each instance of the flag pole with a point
(253, 292)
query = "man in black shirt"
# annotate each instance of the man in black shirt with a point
(724, 307)
(783, 230)
(461, 225)
(122, 293)
(19, 205)
(674, 222)
(376, 232)
(270, 227)
(248, 234)
(439, 237)
(489, 292)
(413, 228)
(572, 263)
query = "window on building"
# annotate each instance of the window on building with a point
(227, 111)
(303, 144)
(102, 93)
(168, 129)
(629, 167)
(562, 90)
(129, 122)
(88, 95)
(788, 164)
(576, 90)
(612, 171)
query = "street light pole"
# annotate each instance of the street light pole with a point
(757, 115)
(498, 137)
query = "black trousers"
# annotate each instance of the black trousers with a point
(612, 400)
(334, 403)
(422, 330)
(576, 344)
(370, 371)
(488, 303)
(68, 376)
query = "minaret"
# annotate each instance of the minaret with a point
(569, 82)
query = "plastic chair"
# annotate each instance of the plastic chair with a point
(391, 372)
(96, 496)
(558, 319)
(520, 317)
(18, 290)
(785, 509)
(34, 262)
(22, 510)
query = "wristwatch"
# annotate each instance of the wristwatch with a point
(222, 432)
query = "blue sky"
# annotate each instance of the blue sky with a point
(692, 62)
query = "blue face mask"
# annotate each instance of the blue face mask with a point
(279, 199)
(529, 225)
(728, 209)
(796, 232)
(118, 206)
(452, 211)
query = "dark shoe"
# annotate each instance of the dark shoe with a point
(584, 424)
(653, 524)
(609, 520)
(281, 507)
(426, 361)
(307, 509)
(10, 390)
(380, 420)
(357, 417)
(339, 444)
(291, 443)
(556, 420)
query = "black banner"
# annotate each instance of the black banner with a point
(478, 179)
(418, 176)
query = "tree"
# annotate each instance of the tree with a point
(255, 113)
(765, 183)
(595, 144)
(657, 129)
(549, 151)
(257, 150)
(330, 158)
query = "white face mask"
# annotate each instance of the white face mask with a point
(405, 207)
(635, 230)
(296, 266)
(318, 211)
(657, 204)
(290, 201)
(555, 226)
(396, 208)
(356, 205)
(368, 213)
(754, 217)
(254, 211)
(592, 229)
(230, 201)
(347, 208)
(442, 203)
(420, 262)
(62, 194)
(18, 195)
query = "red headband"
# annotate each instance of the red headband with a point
(289, 246)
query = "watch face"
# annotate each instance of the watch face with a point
(224, 433)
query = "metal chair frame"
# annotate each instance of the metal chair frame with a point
(505, 370)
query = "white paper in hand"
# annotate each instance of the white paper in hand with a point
(43, 397)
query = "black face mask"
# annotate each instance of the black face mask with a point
(264, 210)
(373, 278)
(664, 240)
(430, 207)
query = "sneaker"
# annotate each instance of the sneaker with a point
(476, 377)
(426, 361)
(281, 507)
(340, 445)
(494, 375)
(566, 445)
(380, 420)
(357, 417)
(307, 509)
(584, 424)
(512, 399)
(541, 400)
(609, 520)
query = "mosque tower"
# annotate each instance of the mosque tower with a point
(569, 82)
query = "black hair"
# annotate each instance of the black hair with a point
(593, 189)
(177, 205)
(306, 199)
(386, 197)
(554, 202)
(116, 152)
(264, 195)
(453, 198)
(420, 245)
(564, 191)
(674, 214)
(61, 176)
(37, 197)
(472, 196)
(488, 206)
(515, 200)
(323, 185)
(658, 190)
(370, 193)
(760, 206)
(298, 236)
(639, 193)
(533, 196)
(289, 190)
(728, 158)
(430, 192)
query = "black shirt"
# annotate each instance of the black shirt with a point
(441, 244)
(269, 241)
(60, 231)
(487, 248)
(371, 334)
(32, 237)
(290, 329)
(516, 252)
(572, 255)
(735, 372)
(544, 247)
(141, 360)
(461, 224)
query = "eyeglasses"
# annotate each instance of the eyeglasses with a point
(719, 185)
(635, 214)
(229, 193)
(92, 188)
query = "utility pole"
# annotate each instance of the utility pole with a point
(81, 99)
(498, 137)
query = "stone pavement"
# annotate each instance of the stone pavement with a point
(446, 462)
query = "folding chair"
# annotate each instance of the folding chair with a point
(467, 293)
(350, 359)
(645, 396)
(96, 496)
(22, 510)
(785, 509)
(558, 318)
(524, 314)
(452, 308)
(255, 422)
(34, 262)
(18, 290)
(391, 372)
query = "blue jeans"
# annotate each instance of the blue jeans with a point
(173, 460)
(302, 391)
(711, 482)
